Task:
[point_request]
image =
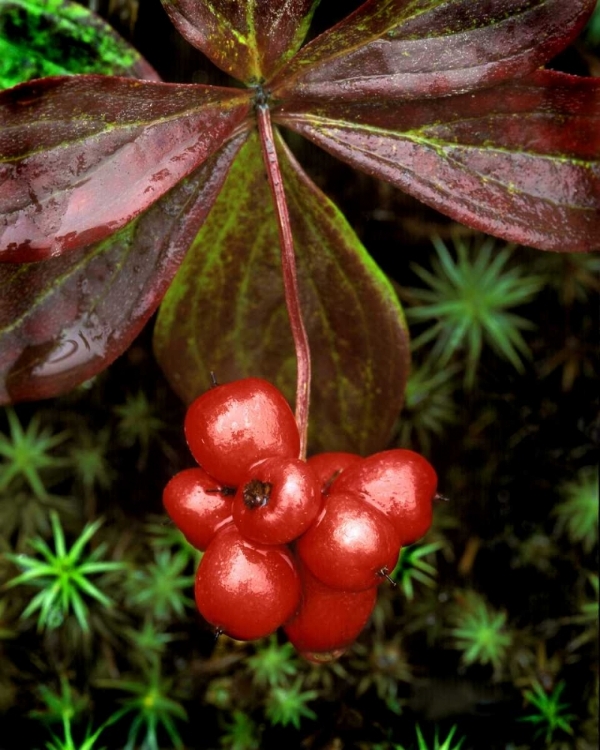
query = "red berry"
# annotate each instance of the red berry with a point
(198, 505)
(244, 589)
(398, 482)
(234, 425)
(276, 501)
(328, 619)
(351, 545)
(328, 466)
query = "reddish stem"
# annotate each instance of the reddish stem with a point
(290, 277)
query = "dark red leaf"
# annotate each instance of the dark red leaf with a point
(432, 47)
(65, 319)
(225, 310)
(521, 160)
(249, 39)
(81, 156)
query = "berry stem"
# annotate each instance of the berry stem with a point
(290, 278)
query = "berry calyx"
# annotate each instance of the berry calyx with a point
(246, 590)
(256, 494)
(322, 657)
(277, 501)
(232, 426)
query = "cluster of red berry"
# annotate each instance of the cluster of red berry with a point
(292, 543)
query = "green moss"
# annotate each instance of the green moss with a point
(40, 39)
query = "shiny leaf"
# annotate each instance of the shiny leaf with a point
(249, 39)
(422, 48)
(41, 38)
(81, 156)
(521, 160)
(225, 310)
(65, 319)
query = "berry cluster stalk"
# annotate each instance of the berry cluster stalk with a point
(290, 278)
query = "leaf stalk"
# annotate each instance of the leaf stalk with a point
(290, 276)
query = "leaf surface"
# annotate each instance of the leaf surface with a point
(521, 160)
(422, 48)
(65, 319)
(81, 156)
(249, 39)
(225, 311)
(40, 38)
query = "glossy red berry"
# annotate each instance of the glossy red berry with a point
(234, 425)
(198, 505)
(400, 483)
(246, 590)
(351, 545)
(328, 619)
(328, 466)
(276, 501)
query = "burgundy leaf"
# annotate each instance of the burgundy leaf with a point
(249, 39)
(81, 156)
(65, 319)
(431, 47)
(521, 160)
